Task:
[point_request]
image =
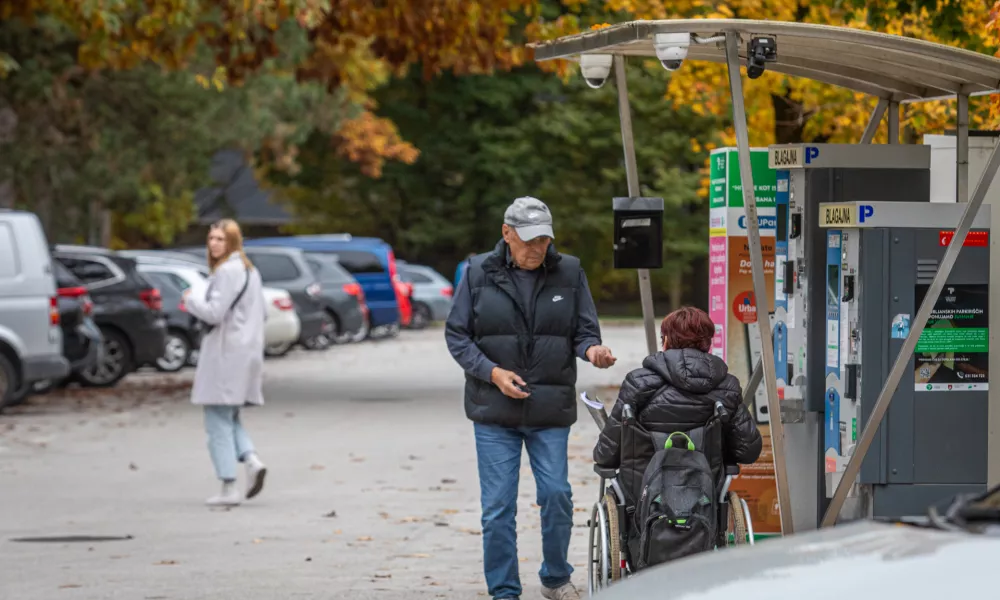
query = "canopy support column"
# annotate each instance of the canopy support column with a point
(760, 292)
(893, 122)
(876, 119)
(632, 175)
(962, 150)
(902, 363)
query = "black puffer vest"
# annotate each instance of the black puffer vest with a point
(536, 342)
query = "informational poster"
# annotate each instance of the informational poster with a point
(717, 306)
(952, 353)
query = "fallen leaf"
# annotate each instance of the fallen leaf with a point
(440, 524)
(67, 586)
(365, 538)
(358, 459)
(412, 457)
(257, 540)
(133, 467)
(331, 514)
(308, 559)
(581, 509)
(449, 511)
(167, 562)
(447, 481)
(383, 575)
(411, 520)
(338, 532)
(417, 555)
(317, 467)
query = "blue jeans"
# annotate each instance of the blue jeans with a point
(498, 450)
(228, 442)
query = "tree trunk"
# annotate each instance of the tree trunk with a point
(676, 296)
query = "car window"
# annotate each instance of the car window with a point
(415, 277)
(274, 267)
(8, 268)
(359, 261)
(327, 268)
(179, 281)
(64, 278)
(86, 270)
(160, 280)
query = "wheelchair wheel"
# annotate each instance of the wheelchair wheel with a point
(738, 519)
(604, 562)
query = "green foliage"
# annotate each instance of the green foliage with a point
(487, 140)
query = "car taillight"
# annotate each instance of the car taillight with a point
(353, 289)
(284, 304)
(88, 306)
(314, 290)
(152, 298)
(181, 307)
(448, 291)
(54, 311)
(72, 292)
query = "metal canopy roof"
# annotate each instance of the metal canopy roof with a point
(887, 66)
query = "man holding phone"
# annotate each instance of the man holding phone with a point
(522, 315)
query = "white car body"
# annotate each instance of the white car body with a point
(858, 561)
(282, 326)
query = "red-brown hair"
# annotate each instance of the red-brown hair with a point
(688, 327)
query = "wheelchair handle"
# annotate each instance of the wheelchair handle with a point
(670, 440)
(627, 413)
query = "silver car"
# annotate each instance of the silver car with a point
(432, 293)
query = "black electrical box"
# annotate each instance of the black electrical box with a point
(638, 242)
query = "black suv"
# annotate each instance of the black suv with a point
(127, 309)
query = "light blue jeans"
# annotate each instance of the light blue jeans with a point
(498, 450)
(228, 442)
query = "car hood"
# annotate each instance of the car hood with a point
(862, 561)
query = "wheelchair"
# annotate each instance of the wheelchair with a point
(608, 554)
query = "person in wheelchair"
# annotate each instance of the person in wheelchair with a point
(676, 392)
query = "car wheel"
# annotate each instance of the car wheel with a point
(392, 331)
(115, 362)
(8, 380)
(358, 336)
(175, 352)
(323, 339)
(421, 316)
(276, 350)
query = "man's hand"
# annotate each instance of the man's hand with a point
(505, 380)
(600, 357)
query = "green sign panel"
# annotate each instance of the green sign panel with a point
(726, 189)
(952, 353)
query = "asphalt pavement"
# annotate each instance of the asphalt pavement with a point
(372, 489)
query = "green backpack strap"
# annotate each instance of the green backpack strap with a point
(670, 440)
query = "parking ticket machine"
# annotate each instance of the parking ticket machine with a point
(823, 286)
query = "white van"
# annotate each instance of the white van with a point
(30, 337)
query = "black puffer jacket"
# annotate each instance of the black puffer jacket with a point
(676, 390)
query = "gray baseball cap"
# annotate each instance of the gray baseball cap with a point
(530, 218)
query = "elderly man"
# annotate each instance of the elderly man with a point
(522, 314)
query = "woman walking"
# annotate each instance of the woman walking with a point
(229, 374)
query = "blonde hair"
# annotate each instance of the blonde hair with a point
(234, 243)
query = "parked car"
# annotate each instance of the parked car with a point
(282, 328)
(344, 300)
(287, 269)
(167, 257)
(372, 263)
(82, 339)
(182, 336)
(30, 334)
(432, 293)
(127, 308)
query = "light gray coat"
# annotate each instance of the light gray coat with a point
(231, 358)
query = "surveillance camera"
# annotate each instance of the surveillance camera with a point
(671, 49)
(595, 68)
(760, 51)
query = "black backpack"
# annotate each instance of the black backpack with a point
(677, 513)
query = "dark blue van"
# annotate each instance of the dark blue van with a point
(370, 260)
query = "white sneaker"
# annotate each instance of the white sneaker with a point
(563, 592)
(256, 471)
(229, 496)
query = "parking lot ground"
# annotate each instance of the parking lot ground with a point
(372, 489)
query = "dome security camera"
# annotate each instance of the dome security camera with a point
(595, 69)
(671, 49)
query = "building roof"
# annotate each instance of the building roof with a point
(883, 65)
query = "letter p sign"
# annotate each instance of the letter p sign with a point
(811, 153)
(865, 211)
